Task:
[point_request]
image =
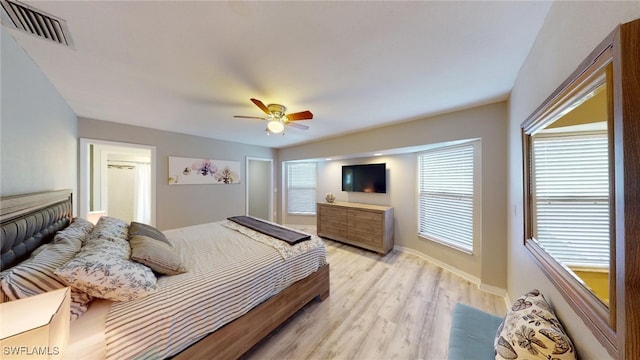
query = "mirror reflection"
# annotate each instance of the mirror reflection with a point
(570, 189)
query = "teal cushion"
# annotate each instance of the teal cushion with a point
(472, 334)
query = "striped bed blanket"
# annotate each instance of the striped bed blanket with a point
(229, 274)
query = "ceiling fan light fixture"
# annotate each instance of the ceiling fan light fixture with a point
(276, 116)
(275, 126)
(277, 110)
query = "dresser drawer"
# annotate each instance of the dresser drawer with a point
(366, 226)
(328, 211)
(328, 230)
(356, 215)
(335, 222)
(365, 237)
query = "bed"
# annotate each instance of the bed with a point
(183, 317)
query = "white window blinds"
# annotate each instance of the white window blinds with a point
(301, 188)
(571, 197)
(446, 191)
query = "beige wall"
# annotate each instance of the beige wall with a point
(38, 148)
(183, 205)
(488, 122)
(571, 31)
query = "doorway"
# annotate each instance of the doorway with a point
(117, 179)
(260, 188)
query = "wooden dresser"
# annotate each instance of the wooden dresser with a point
(366, 226)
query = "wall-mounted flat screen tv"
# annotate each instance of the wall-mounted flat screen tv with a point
(369, 178)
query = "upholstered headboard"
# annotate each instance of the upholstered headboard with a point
(28, 221)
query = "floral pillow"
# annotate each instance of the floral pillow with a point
(109, 228)
(103, 269)
(530, 330)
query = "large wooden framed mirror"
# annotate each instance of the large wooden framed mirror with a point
(581, 151)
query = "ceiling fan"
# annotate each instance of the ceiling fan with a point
(277, 119)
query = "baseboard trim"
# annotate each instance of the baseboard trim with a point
(493, 290)
(473, 279)
(507, 301)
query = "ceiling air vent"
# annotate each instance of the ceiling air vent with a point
(36, 22)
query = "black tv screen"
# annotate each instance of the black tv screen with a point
(370, 178)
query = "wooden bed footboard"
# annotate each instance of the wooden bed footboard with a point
(237, 337)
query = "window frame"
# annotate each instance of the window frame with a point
(603, 200)
(476, 219)
(312, 211)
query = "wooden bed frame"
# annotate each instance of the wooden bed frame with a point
(31, 220)
(237, 337)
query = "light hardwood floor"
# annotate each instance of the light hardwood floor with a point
(393, 307)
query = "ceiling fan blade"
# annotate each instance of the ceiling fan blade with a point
(298, 126)
(261, 105)
(303, 115)
(249, 117)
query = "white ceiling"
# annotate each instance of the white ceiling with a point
(190, 66)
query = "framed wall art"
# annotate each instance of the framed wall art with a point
(186, 171)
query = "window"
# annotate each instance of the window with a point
(447, 194)
(571, 197)
(301, 188)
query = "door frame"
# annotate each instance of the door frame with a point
(248, 178)
(84, 168)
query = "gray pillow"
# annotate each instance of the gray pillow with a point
(137, 228)
(157, 255)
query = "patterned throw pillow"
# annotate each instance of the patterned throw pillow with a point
(530, 330)
(103, 268)
(109, 228)
(36, 275)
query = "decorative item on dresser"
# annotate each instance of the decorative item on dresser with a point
(330, 197)
(363, 225)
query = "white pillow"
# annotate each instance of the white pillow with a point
(77, 230)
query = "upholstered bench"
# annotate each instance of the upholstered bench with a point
(472, 334)
(530, 330)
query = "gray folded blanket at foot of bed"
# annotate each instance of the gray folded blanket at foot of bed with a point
(278, 232)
